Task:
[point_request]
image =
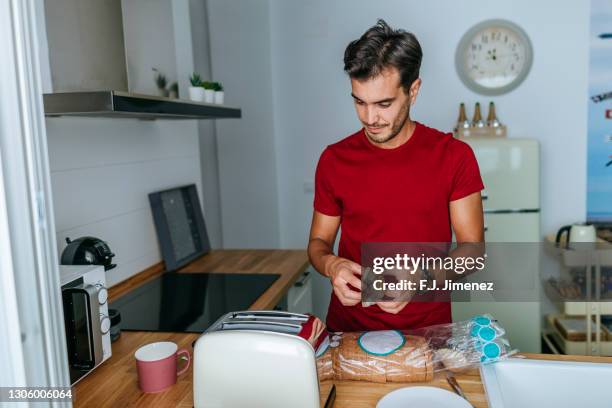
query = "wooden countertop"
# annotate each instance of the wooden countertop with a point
(355, 394)
(114, 383)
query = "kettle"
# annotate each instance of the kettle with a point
(88, 251)
(577, 233)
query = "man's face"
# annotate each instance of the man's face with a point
(382, 104)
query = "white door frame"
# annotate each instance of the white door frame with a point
(32, 339)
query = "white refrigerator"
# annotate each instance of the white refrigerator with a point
(510, 169)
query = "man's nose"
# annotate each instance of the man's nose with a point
(372, 115)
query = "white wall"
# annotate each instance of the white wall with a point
(281, 62)
(240, 56)
(149, 43)
(102, 170)
(198, 11)
(313, 108)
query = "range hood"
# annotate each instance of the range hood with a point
(100, 69)
(119, 104)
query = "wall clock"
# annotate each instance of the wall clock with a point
(494, 57)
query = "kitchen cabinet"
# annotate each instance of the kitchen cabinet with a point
(299, 297)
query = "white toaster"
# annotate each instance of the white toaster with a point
(255, 359)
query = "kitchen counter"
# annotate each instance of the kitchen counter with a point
(356, 394)
(115, 383)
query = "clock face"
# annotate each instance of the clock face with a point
(493, 57)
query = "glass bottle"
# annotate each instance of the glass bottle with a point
(492, 120)
(477, 121)
(462, 121)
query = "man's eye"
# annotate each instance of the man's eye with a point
(358, 102)
(384, 105)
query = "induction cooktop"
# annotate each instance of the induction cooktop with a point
(189, 302)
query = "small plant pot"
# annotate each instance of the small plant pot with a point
(162, 92)
(209, 95)
(196, 93)
(219, 97)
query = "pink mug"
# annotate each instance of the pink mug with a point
(157, 365)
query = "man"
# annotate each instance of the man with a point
(395, 180)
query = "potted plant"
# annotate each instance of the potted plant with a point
(209, 92)
(196, 92)
(219, 94)
(173, 90)
(161, 82)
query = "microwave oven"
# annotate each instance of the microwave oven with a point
(86, 320)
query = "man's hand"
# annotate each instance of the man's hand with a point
(342, 272)
(398, 298)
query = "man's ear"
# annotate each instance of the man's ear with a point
(414, 90)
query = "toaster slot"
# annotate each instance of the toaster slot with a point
(261, 325)
(269, 315)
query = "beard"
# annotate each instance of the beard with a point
(396, 127)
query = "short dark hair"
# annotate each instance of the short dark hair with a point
(381, 47)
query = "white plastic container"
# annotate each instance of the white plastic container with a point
(209, 95)
(219, 97)
(196, 93)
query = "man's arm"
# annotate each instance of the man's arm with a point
(467, 220)
(340, 271)
(323, 231)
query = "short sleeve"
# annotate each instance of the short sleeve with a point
(465, 176)
(325, 200)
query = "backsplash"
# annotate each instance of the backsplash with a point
(102, 171)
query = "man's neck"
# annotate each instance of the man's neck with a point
(402, 137)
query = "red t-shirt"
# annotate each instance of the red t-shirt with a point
(393, 195)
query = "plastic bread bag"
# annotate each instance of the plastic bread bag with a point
(467, 344)
(375, 356)
(412, 355)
